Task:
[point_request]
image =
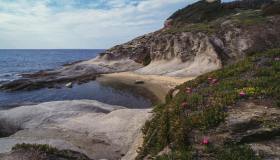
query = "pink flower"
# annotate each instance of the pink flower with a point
(210, 79)
(184, 105)
(205, 141)
(214, 81)
(188, 90)
(277, 59)
(242, 94)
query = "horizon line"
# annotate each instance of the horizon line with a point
(51, 49)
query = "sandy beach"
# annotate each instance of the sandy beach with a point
(157, 84)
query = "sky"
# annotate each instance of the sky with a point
(71, 24)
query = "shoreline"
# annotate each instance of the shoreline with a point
(116, 129)
(157, 84)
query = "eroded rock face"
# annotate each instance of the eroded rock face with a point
(97, 130)
(194, 53)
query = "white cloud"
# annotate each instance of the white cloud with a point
(35, 24)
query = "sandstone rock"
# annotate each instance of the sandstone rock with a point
(165, 151)
(175, 92)
(95, 129)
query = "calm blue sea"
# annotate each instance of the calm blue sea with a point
(15, 62)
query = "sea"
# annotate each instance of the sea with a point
(15, 62)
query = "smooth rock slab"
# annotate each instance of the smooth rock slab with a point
(90, 127)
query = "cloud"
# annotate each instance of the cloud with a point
(80, 23)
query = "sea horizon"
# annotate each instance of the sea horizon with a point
(52, 49)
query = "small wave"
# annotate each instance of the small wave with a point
(6, 74)
(4, 77)
(3, 81)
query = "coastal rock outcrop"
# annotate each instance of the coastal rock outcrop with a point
(97, 130)
(197, 39)
(192, 52)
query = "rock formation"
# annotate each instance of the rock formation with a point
(97, 130)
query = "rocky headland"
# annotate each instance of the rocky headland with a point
(187, 46)
(232, 113)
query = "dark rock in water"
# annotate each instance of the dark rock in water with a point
(139, 82)
(72, 63)
(45, 79)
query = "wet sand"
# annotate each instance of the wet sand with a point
(158, 85)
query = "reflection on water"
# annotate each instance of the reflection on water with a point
(110, 93)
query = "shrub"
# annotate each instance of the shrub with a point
(272, 8)
(147, 60)
(40, 147)
(235, 152)
(39, 150)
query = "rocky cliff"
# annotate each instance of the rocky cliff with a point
(193, 45)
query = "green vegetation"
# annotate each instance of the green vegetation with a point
(208, 17)
(39, 147)
(147, 60)
(272, 9)
(203, 11)
(205, 107)
(249, 17)
(198, 12)
(243, 18)
(196, 27)
(235, 152)
(49, 151)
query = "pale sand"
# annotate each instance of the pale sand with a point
(157, 84)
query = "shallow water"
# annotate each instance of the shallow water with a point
(15, 62)
(118, 94)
